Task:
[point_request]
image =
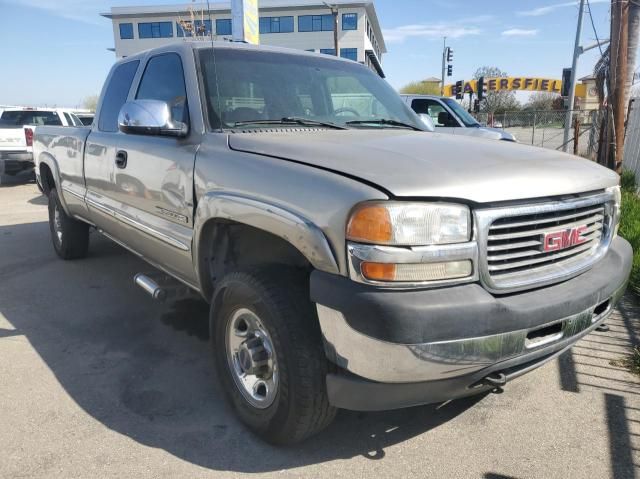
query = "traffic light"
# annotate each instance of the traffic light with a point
(449, 55)
(449, 70)
(566, 81)
(480, 88)
(459, 90)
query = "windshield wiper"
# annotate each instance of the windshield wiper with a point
(291, 120)
(384, 121)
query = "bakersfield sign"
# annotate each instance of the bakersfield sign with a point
(515, 83)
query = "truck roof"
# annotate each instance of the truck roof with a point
(190, 45)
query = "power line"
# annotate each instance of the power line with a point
(594, 28)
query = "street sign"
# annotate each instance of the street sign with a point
(244, 15)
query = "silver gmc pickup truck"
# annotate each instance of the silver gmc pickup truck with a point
(351, 259)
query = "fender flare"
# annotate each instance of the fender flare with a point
(52, 163)
(296, 230)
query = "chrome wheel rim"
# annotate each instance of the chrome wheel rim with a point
(57, 223)
(251, 358)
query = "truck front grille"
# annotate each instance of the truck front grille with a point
(527, 246)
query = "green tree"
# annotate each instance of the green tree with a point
(541, 101)
(496, 101)
(421, 88)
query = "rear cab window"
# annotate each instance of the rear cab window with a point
(31, 117)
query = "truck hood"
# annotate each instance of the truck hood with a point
(419, 164)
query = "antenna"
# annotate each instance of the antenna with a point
(215, 69)
(210, 22)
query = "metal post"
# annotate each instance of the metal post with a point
(334, 12)
(572, 89)
(533, 133)
(335, 30)
(444, 53)
(619, 46)
(576, 134)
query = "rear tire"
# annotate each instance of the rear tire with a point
(277, 304)
(70, 237)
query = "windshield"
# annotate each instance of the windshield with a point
(461, 113)
(253, 85)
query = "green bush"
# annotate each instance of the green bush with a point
(630, 224)
(628, 181)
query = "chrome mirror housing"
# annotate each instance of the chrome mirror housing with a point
(428, 121)
(150, 117)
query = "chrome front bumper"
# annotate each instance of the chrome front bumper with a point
(434, 335)
(400, 363)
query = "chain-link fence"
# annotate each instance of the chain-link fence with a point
(546, 128)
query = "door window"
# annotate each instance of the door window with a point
(163, 79)
(433, 109)
(115, 95)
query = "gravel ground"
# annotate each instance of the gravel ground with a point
(96, 380)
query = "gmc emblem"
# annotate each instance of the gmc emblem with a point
(563, 239)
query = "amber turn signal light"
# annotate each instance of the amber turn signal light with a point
(370, 224)
(379, 271)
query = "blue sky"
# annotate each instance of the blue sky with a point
(54, 52)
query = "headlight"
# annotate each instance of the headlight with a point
(438, 234)
(617, 195)
(410, 224)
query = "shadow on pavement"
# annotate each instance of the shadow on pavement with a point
(603, 348)
(145, 370)
(39, 200)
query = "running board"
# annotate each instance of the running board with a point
(162, 287)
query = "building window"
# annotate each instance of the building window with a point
(126, 31)
(155, 30)
(201, 28)
(223, 26)
(276, 24)
(315, 23)
(349, 21)
(349, 53)
(328, 51)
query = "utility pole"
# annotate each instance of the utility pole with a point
(618, 73)
(572, 90)
(334, 12)
(444, 59)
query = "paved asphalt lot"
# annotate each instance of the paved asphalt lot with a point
(96, 380)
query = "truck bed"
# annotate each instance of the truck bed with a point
(64, 146)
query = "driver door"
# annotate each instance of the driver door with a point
(152, 183)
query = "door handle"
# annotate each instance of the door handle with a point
(121, 159)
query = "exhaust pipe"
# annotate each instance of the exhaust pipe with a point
(150, 287)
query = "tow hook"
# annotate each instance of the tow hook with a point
(497, 380)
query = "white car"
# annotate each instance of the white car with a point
(17, 127)
(450, 117)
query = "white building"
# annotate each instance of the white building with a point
(302, 24)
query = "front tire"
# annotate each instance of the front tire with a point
(269, 356)
(70, 237)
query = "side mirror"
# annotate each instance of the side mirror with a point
(428, 121)
(150, 117)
